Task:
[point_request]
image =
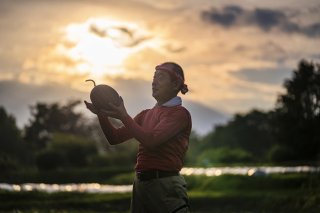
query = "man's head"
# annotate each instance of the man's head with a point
(168, 81)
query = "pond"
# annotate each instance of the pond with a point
(104, 188)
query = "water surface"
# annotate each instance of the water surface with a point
(105, 188)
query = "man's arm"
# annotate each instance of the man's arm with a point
(168, 127)
(113, 135)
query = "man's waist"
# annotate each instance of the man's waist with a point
(147, 162)
(154, 174)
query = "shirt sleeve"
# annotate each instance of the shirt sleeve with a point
(116, 135)
(170, 125)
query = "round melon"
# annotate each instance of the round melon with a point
(102, 94)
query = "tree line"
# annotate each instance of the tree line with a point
(58, 137)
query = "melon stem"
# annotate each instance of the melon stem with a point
(94, 83)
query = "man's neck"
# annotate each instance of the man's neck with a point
(161, 102)
(174, 101)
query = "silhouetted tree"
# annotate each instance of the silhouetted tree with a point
(10, 142)
(48, 118)
(297, 114)
(250, 132)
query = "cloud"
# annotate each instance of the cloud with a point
(227, 17)
(265, 19)
(273, 76)
(123, 35)
(163, 4)
(175, 47)
(238, 38)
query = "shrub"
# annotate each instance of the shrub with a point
(49, 160)
(224, 155)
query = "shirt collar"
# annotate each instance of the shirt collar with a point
(176, 101)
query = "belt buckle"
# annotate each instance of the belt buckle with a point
(139, 175)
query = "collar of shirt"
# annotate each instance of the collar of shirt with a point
(176, 101)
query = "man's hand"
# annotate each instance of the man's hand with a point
(91, 107)
(118, 112)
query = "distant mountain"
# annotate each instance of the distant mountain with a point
(17, 98)
(205, 119)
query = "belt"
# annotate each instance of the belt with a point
(149, 175)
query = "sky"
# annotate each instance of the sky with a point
(236, 54)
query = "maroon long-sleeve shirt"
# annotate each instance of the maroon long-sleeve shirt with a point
(163, 133)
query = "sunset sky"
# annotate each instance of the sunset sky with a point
(235, 53)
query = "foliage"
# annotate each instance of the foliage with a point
(297, 114)
(106, 175)
(279, 153)
(66, 150)
(224, 155)
(250, 132)
(49, 118)
(115, 158)
(11, 146)
(194, 149)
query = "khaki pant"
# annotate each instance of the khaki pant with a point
(160, 195)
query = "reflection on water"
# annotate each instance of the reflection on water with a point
(251, 171)
(83, 187)
(101, 188)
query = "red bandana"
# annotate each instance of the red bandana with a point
(184, 88)
(170, 72)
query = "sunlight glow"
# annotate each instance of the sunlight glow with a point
(98, 46)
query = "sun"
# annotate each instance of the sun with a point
(98, 46)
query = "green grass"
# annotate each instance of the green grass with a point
(273, 193)
(65, 201)
(226, 194)
(87, 175)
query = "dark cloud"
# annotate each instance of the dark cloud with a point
(127, 37)
(227, 17)
(312, 30)
(97, 31)
(265, 19)
(274, 76)
(120, 34)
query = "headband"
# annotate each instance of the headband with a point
(184, 88)
(170, 72)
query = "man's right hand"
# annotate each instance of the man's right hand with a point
(91, 107)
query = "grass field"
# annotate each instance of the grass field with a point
(226, 194)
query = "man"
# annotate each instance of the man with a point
(163, 135)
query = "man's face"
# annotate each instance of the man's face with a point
(163, 88)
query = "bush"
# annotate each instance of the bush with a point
(224, 155)
(113, 159)
(7, 163)
(279, 154)
(49, 160)
(66, 151)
